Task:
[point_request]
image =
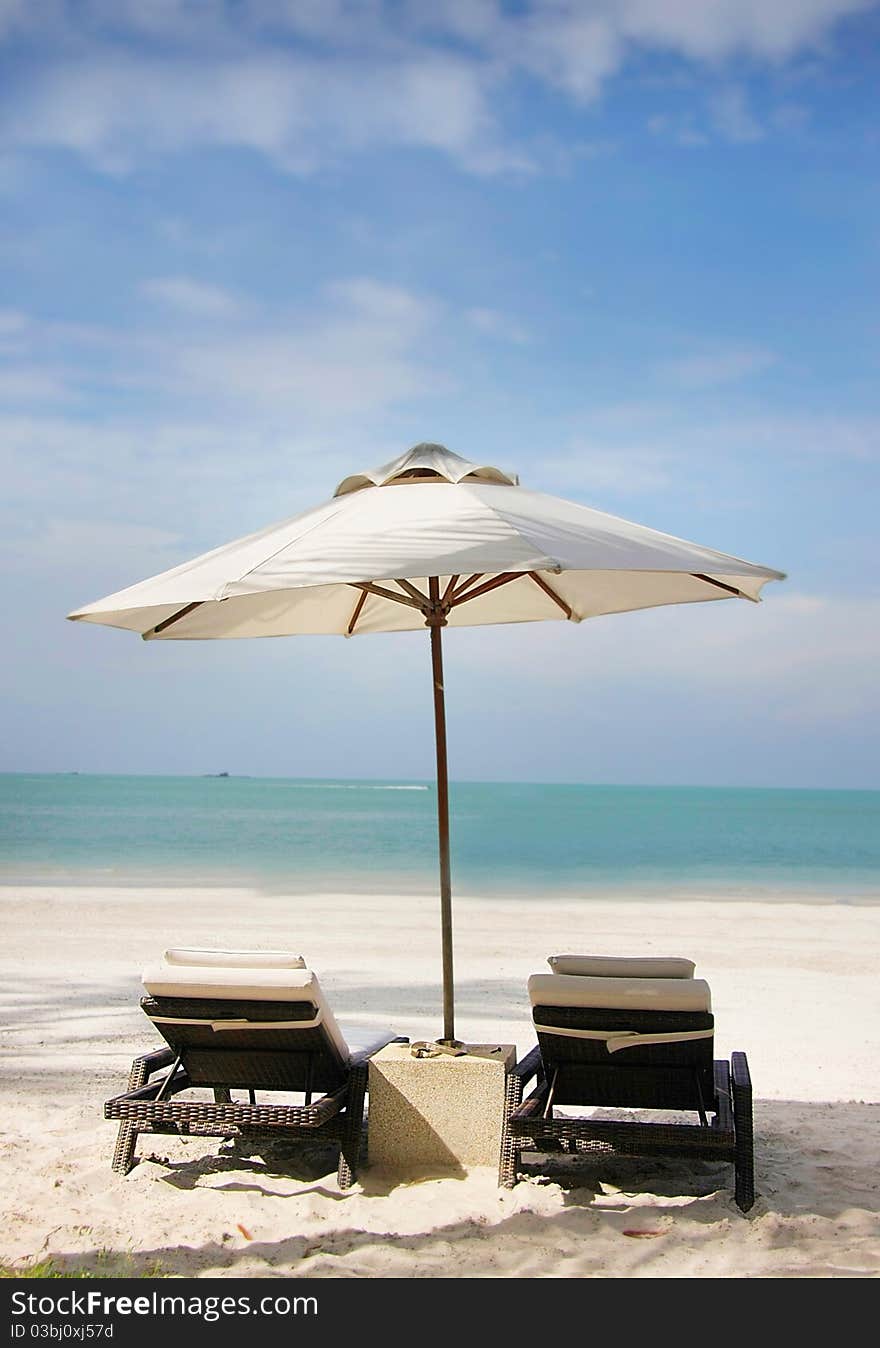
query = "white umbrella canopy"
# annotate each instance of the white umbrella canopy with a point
(433, 540)
(559, 560)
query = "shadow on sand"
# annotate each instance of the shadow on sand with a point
(796, 1142)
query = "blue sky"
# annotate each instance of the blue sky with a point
(627, 249)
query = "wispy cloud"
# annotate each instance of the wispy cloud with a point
(32, 383)
(589, 467)
(358, 352)
(303, 84)
(796, 435)
(803, 658)
(679, 129)
(618, 454)
(495, 324)
(733, 117)
(209, 405)
(299, 111)
(708, 369)
(13, 327)
(355, 347)
(197, 298)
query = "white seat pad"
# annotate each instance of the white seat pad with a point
(366, 1039)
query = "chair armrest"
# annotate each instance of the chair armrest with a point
(739, 1070)
(532, 1108)
(530, 1065)
(150, 1090)
(154, 1062)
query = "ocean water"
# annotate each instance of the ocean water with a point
(507, 839)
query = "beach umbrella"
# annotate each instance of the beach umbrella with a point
(429, 540)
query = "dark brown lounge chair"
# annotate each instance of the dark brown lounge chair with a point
(248, 1027)
(630, 1043)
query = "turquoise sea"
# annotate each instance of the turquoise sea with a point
(507, 839)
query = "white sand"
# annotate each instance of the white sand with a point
(794, 985)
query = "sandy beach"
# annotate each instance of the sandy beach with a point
(793, 984)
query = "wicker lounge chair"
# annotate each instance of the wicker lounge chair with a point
(613, 1037)
(251, 1021)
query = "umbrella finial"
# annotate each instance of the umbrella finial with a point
(426, 462)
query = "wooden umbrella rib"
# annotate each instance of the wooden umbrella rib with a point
(493, 584)
(175, 618)
(357, 611)
(720, 585)
(548, 590)
(456, 593)
(413, 591)
(447, 593)
(369, 588)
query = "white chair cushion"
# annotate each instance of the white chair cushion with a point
(235, 959)
(244, 985)
(634, 994)
(614, 966)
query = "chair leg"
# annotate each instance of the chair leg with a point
(123, 1152)
(126, 1138)
(510, 1150)
(222, 1095)
(744, 1146)
(350, 1143)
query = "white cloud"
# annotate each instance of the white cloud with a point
(189, 296)
(680, 129)
(357, 348)
(35, 362)
(813, 657)
(710, 30)
(359, 354)
(571, 34)
(306, 83)
(732, 116)
(495, 324)
(589, 467)
(819, 434)
(30, 383)
(714, 30)
(802, 658)
(790, 117)
(690, 138)
(568, 47)
(231, 412)
(708, 369)
(58, 538)
(612, 454)
(13, 14)
(383, 302)
(729, 117)
(793, 435)
(13, 327)
(299, 111)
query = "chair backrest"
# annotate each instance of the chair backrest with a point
(247, 1022)
(634, 1042)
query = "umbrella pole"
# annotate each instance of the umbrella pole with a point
(435, 621)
